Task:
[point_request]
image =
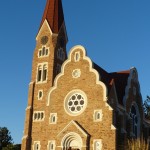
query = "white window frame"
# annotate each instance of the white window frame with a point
(40, 98)
(38, 113)
(42, 66)
(51, 142)
(41, 49)
(36, 142)
(77, 56)
(96, 112)
(76, 73)
(68, 96)
(94, 142)
(50, 119)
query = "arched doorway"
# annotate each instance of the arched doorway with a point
(72, 141)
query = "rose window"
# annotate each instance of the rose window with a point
(75, 103)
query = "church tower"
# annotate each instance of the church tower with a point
(49, 54)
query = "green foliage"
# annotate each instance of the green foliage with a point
(12, 147)
(146, 107)
(6, 141)
(138, 144)
(5, 137)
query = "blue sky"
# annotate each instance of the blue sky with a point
(115, 33)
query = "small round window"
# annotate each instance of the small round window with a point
(75, 102)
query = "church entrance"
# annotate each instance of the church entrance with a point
(72, 141)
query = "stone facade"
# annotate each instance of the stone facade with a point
(75, 104)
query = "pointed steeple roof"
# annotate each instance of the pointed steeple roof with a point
(54, 15)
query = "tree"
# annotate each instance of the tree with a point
(12, 147)
(146, 107)
(5, 137)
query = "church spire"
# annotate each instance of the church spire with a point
(54, 15)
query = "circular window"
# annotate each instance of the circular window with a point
(75, 102)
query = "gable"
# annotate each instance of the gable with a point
(83, 67)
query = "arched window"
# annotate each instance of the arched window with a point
(135, 120)
(39, 76)
(77, 56)
(98, 115)
(42, 72)
(36, 145)
(40, 94)
(53, 118)
(97, 145)
(38, 116)
(51, 145)
(43, 52)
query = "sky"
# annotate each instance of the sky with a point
(115, 33)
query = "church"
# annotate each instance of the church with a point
(73, 103)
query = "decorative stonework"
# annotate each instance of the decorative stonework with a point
(44, 40)
(75, 103)
(76, 73)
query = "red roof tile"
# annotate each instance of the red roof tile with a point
(53, 13)
(119, 78)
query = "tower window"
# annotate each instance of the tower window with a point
(40, 53)
(53, 118)
(42, 72)
(38, 116)
(43, 52)
(46, 51)
(40, 94)
(39, 73)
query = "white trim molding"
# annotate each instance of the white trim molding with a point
(51, 145)
(40, 94)
(91, 69)
(41, 67)
(53, 118)
(81, 103)
(44, 23)
(38, 116)
(37, 144)
(74, 124)
(98, 115)
(97, 144)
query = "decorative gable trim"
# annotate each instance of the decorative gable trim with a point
(90, 69)
(77, 126)
(45, 23)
